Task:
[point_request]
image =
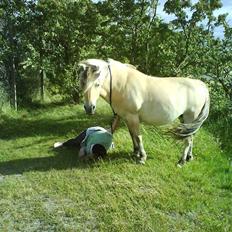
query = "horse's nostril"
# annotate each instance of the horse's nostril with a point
(89, 109)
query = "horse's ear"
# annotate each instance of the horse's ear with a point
(95, 68)
(89, 64)
(82, 65)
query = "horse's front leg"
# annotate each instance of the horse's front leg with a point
(115, 123)
(133, 126)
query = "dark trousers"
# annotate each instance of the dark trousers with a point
(75, 142)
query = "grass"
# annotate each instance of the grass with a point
(44, 190)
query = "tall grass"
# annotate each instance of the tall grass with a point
(46, 190)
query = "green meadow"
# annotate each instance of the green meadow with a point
(46, 190)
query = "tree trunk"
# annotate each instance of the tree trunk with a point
(12, 83)
(153, 10)
(15, 100)
(42, 77)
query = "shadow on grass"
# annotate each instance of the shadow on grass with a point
(57, 162)
(63, 159)
(44, 105)
(12, 128)
(35, 124)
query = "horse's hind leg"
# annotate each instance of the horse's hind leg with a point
(187, 153)
(190, 152)
(187, 117)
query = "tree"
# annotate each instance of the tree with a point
(219, 66)
(11, 44)
(43, 40)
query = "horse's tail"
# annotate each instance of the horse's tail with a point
(187, 129)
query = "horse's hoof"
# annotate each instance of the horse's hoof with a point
(136, 155)
(180, 164)
(142, 161)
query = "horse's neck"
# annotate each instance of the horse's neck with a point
(114, 85)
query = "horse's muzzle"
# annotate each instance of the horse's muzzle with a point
(90, 109)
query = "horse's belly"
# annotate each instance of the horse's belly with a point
(158, 115)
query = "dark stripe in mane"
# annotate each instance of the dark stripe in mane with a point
(83, 77)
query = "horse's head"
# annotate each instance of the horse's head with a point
(92, 77)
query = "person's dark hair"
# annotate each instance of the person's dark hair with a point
(98, 150)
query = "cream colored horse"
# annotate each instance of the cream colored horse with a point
(137, 97)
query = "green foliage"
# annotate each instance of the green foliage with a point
(43, 41)
(67, 85)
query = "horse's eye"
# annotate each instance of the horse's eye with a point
(97, 85)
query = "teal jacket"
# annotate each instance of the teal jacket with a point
(96, 135)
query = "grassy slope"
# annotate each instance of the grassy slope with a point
(43, 190)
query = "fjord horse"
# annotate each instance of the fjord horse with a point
(137, 97)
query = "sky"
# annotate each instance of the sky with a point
(226, 8)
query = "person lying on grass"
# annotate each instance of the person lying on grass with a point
(92, 142)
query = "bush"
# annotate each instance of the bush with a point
(220, 105)
(66, 84)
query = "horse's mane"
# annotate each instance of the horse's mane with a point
(131, 66)
(96, 62)
(99, 62)
(111, 61)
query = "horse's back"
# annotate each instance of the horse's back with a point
(162, 100)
